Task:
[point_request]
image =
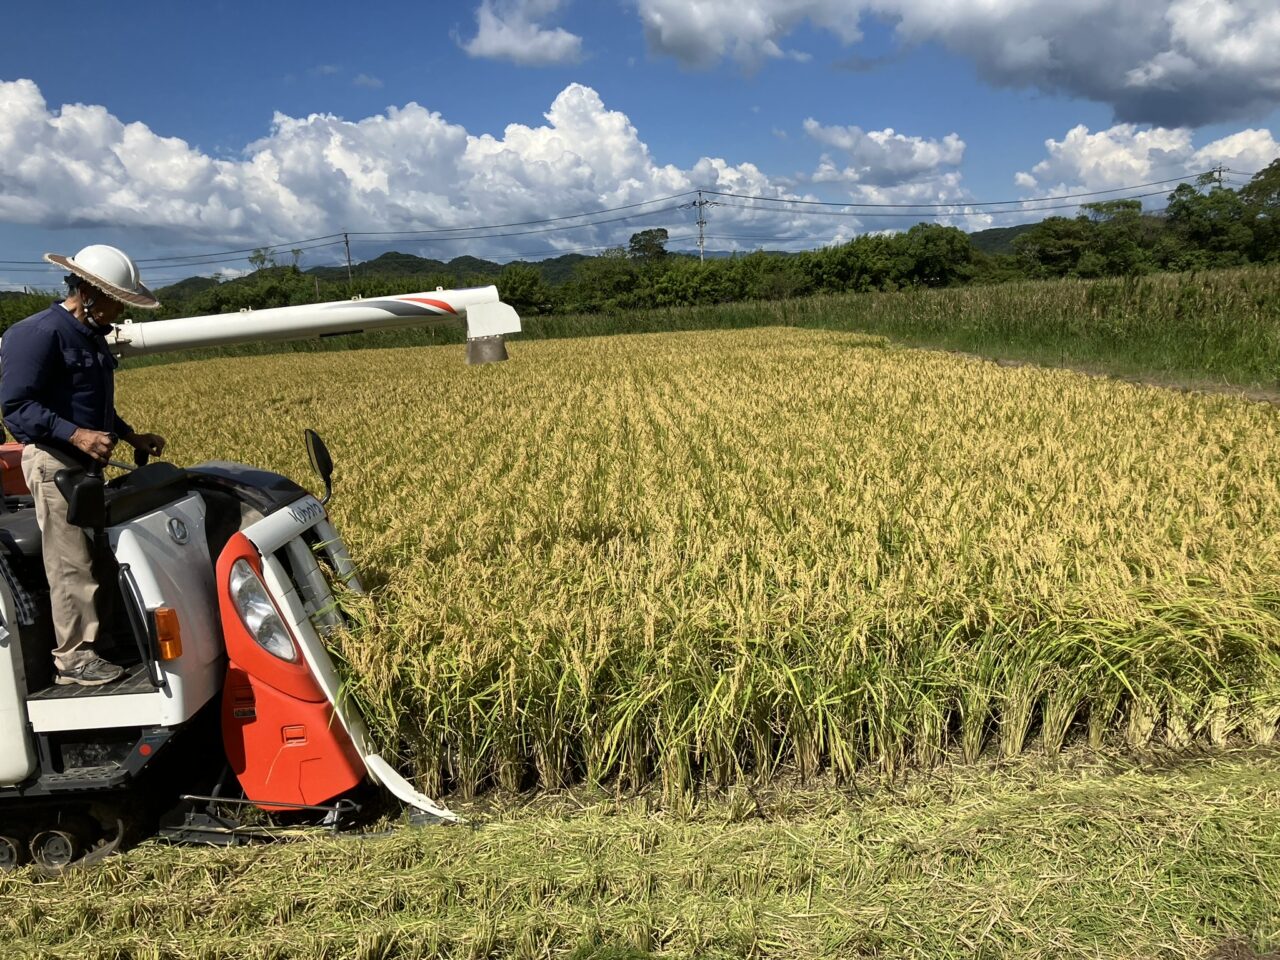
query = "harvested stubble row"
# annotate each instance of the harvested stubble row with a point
(1034, 859)
(704, 556)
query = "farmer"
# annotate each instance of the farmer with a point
(57, 393)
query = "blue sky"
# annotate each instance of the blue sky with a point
(174, 129)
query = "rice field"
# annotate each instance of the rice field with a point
(702, 559)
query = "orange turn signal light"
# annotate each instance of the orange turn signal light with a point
(168, 634)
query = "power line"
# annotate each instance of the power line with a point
(249, 250)
(194, 260)
(522, 223)
(174, 259)
(752, 236)
(525, 233)
(963, 210)
(211, 259)
(973, 203)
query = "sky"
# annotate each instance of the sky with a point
(504, 129)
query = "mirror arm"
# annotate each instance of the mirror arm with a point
(321, 461)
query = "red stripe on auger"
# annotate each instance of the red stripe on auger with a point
(438, 304)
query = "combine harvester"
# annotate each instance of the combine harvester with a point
(216, 589)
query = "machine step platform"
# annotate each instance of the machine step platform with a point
(104, 774)
(134, 680)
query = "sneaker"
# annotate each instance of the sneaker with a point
(93, 673)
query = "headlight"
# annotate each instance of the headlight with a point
(258, 613)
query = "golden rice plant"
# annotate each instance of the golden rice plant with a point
(706, 557)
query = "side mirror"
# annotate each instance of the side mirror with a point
(85, 496)
(321, 462)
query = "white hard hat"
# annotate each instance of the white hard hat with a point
(111, 271)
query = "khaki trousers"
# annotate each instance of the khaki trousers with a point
(67, 561)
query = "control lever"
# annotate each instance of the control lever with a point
(141, 457)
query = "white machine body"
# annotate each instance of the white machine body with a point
(168, 558)
(17, 753)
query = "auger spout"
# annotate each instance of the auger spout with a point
(488, 321)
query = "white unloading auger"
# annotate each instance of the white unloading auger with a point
(488, 321)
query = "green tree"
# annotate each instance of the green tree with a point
(1122, 241)
(1263, 190)
(261, 258)
(864, 263)
(1053, 247)
(936, 256)
(523, 287)
(1261, 197)
(606, 282)
(19, 306)
(649, 246)
(1208, 228)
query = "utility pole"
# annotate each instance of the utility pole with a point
(1218, 171)
(346, 242)
(701, 205)
(702, 227)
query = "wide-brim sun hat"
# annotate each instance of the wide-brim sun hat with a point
(111, 271)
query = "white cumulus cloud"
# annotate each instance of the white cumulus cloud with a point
(408, 169)
(701, 32)
(513, 30)
(883, 157)
(888, 167)
(1126, 154)
(411, 169)
(1169, 62)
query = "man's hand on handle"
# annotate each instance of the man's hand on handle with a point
(98, 445)
(94, 443)
(153, 443)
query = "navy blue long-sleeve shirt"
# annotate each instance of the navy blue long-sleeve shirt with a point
(57, 374)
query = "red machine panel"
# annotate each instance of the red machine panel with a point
(279, 731)
(11, 479)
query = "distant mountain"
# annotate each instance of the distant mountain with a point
(471, 265)
(556, 270)
(390, 264)
(998, 239)
(394, 264)
(185, 289)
